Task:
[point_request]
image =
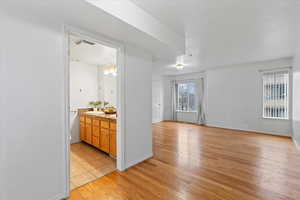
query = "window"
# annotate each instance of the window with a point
(276, 95)
(186, 97)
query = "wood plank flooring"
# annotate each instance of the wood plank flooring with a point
(87, 164)
(202, 163)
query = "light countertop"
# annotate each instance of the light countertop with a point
(101, 114)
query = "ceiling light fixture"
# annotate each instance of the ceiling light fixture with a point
(179, 66)
(110, 70)
(179, 62)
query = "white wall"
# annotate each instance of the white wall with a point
(33, 100)
(296, 83)
(83, 89)
(83, 84)
(138, 106)
(234, 98)
(32, 70)
(296, 99)
(88, 83)
(110, 89)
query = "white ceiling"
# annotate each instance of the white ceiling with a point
(84, 16)
(92, 54)
(226, 32)
(217, 32)
(130, 13)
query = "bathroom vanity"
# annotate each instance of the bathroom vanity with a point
(99, 130)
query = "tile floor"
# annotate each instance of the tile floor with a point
(88, 164)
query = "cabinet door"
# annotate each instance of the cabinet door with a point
(82, 118)
(113, 126)
(82, 131)
(96, 141)
(96, 122)
(88, 133)
(105, 124)
(112, 145)
(104, 140)
(88, 120)
(96, 131)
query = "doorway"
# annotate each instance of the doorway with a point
(157, 101)
(94, 107)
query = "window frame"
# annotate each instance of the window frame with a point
(289, 92)
(177, 97)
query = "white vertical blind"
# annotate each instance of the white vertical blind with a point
(276, 95)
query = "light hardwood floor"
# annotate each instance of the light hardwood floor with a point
(201, 163)
(87, 164)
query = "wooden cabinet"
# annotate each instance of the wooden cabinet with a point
(104, 140)
(96, 122)
(82, 131)
(112, 126)
(88, 133)
(99, 132)
(82, 128)
(88, 130)
(96, 141)
(112, 143)
(82, 118)
(88, 120)
(112, 139)
(96, 133)
(105, 124)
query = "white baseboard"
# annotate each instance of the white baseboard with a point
(59, 197)
(73, 141)
(248, 130)
(154, 122)
(296, 144)
(132, 163)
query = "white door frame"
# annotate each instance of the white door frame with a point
(97, 38)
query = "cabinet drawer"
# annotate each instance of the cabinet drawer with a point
(113, 126)
(82, 118)
(96, 122)
(88, 120)
(96, 131)
(104, 124)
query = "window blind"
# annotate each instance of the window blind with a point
(276, 95)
